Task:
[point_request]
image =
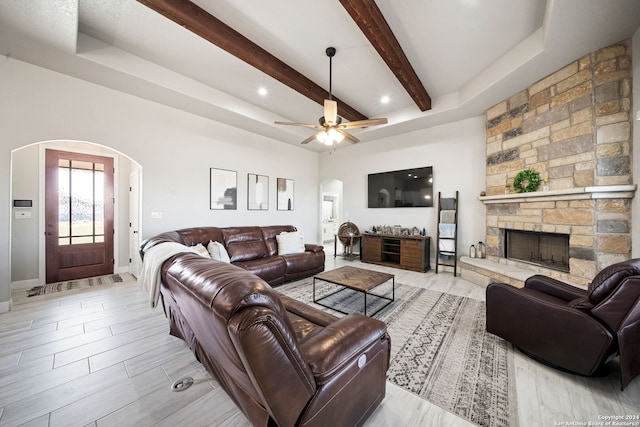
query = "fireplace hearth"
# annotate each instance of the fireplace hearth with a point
(550, 250)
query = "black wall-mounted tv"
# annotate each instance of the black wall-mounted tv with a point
(408, 188)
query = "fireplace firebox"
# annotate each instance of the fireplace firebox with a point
(550, 250)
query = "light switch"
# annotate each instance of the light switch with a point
(156, 215)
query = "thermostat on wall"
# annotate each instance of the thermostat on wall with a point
(23, 203)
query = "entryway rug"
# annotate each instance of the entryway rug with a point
(440, 349)
(74, 284)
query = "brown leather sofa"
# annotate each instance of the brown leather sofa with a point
(281, 361)
(253, 248)
(569, 328)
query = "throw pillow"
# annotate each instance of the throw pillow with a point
(290, 242)
(218, 251)
(202, 250)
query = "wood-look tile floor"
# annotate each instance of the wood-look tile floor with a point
(102, 357)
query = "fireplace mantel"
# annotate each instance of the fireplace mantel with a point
(580, 193)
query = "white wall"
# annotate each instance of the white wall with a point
(175, 150)
(24, 232)
(455, 150)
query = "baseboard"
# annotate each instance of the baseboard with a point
(121, 270)
(25, 284)
(5, 306)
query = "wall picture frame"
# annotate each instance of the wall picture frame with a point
(285, 194)
(223, 189)
(257, 192)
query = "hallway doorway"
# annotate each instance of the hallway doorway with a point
(29, 225)
(331, 209)
(79, 213)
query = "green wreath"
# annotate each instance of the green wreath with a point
(526, 181)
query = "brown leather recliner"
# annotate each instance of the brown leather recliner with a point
(569, 328)
(282, 362)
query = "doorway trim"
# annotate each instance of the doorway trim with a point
(334, 187)
(84, 147)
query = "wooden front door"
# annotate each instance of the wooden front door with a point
(79, 215)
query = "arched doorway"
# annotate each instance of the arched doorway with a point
(28, 225)
(331, 205)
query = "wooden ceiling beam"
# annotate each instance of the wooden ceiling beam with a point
(372, 23)
(210, 28)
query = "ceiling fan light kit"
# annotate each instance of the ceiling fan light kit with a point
(330, 128)
(330, 137)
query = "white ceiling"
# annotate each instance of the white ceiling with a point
(469, 54)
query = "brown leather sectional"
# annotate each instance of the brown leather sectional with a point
(252, 248)
(281, 361)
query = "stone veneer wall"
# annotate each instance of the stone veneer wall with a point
(574, 128)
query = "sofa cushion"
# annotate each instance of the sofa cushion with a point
(269, 234)
(609, 278)
(201, 250)
(244, 243)
(218, 252)
(302, 262)
(290, 243)
(271, 269)
(195, 235)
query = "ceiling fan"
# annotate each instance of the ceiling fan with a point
(330, 128)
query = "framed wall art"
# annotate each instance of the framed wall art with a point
(257, 192)
(285, 194)
(223, 189)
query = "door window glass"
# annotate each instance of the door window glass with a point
(80, 202)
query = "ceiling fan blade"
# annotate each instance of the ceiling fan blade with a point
(330, 112)
(363, 123)
(352, 139)
(304, 125)
(311, 138)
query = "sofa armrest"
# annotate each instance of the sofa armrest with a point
(309, 247)
(551, 286)
(339, 343)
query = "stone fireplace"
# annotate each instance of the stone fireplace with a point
(574, 128)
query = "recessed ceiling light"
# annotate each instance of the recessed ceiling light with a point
(263, 91)
(385, 99)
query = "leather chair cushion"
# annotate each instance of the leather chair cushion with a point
(244, 243)
(298, 263)
(271, 269)
(195, 235)
(608, 279)
(302, 327)
(581, 304)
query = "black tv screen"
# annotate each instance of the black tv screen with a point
(408, 188)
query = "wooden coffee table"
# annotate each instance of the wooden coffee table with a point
(357, 279)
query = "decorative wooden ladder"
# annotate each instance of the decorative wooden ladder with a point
(447, 241)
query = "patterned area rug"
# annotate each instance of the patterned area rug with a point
(440, 349)
(74, 284)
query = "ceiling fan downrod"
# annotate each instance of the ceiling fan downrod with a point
(330, 51)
